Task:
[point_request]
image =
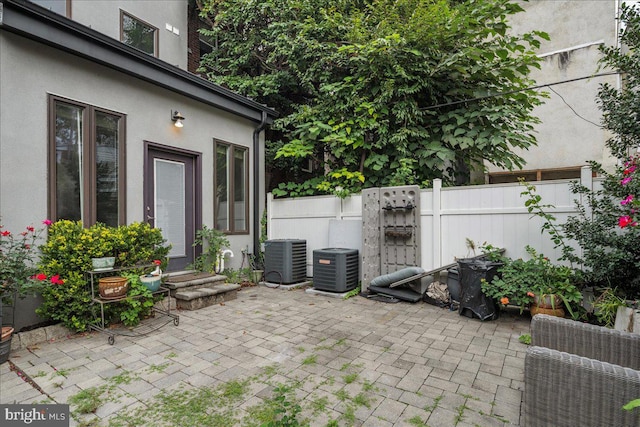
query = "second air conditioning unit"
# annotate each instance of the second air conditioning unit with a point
(336, 269)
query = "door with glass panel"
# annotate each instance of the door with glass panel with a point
(171, 200)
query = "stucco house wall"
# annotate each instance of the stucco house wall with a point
(43, 54)
(104, 16)
(121, 80)
(23, 130)
(577, 28)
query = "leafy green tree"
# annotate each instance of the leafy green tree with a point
(621, 108)
(381, 92)
(606, 228)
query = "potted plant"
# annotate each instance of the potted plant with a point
(555, 295)
(153, 280)
(17, 273)
(528, 283)
(99, 241)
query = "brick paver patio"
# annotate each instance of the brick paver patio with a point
(369, 363)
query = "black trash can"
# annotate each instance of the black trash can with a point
(453, 283)
(472, 301)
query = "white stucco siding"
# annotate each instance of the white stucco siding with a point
(31, 71)
(564, 138)
(577, 28)
(104, 16)
(23, 135)
(568, 22)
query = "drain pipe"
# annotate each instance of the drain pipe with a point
(256, 182)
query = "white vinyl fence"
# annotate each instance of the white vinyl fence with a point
(495, 214)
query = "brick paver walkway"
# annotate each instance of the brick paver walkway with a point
(369, 363)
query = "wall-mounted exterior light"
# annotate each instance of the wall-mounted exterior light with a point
(177, 119)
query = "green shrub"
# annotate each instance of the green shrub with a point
(68, 253)
(139, 243)
(610, 253)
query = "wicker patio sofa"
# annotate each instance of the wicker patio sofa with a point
(577, 374)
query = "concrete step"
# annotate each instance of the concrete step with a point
(193, 281)
(197, 290)
(196, 298)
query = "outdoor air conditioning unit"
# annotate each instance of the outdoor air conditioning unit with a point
(336, 269)
(285, 260)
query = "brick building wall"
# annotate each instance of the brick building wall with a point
(193, 39)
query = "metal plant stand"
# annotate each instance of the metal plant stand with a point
(147, 326)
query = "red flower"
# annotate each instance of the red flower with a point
(41, 276)
(56, 280)
(157, 262)
(47, 222)
(625, 221)
(6, 233)
(31, 229)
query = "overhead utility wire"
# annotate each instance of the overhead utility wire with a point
(480, 98)
(574, 111)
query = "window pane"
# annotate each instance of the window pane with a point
(87, 175)
(57, 6)
(138, 34)
(239, 189)
(107, 168)
(68, 141)
(222, 187)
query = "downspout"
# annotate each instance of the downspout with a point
(256, 183)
